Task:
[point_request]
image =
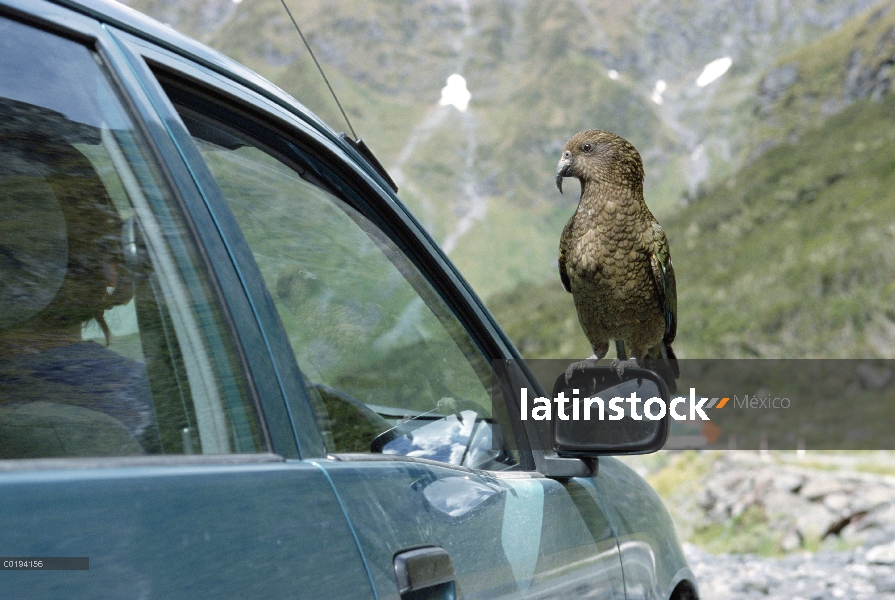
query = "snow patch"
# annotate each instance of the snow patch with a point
(661, 86)
(713, 71)
(455, 93)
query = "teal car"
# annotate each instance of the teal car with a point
(233, 365)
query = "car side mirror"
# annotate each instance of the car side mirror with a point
(614, 415)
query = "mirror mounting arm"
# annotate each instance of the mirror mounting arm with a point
(557, 467)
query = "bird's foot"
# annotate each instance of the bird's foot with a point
(581, 364)
(620, 365)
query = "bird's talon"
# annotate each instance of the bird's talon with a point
(619, 366)
(570, 370)
(581, 364)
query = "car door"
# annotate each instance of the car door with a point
(141, 426)
(394, 352)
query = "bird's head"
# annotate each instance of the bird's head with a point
(601, 157)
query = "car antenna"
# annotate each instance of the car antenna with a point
(356, 142)
(319, 68)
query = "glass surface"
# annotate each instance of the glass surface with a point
(603, 426)
(385, 359)
(110, 342)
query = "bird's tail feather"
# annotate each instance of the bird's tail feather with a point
(668, 355)
(665, 364)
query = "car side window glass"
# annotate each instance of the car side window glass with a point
(391, 368)
(110, 340)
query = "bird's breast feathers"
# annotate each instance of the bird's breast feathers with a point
(601, 247)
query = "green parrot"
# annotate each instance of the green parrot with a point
(614, 257)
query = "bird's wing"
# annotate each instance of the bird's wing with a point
(563, 242)
(663, 275)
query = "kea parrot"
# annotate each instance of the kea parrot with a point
(614, 257)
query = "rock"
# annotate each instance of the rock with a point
(872, 497)
(821, 576)
(853, 75)
(819, 509)
(753, 583)
(823, 485)
(774, 85)
(837, 502)
(788, 482)
(884, 583)
(783, 504)
(881, 517)
(804, 507)
(727, 495)
(791, 541)
(815, 522)
(878, 535)
(704, 499)
(870, 76)
(852, 533)
(881, 555)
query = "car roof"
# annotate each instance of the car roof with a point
(140, 25)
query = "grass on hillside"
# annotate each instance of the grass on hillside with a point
(864, 43)
(794, 255)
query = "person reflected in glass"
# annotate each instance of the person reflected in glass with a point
(61, 267)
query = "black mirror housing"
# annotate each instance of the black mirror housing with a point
(615, 415)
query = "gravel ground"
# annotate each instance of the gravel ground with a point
(863, 573)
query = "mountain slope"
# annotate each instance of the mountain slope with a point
(819, 80)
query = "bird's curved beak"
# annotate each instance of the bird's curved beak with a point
(562, 170)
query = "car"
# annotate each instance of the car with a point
(232, 363)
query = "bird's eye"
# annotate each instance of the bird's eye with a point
(586, 148)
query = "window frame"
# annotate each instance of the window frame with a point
(282, 150)
(334, 161)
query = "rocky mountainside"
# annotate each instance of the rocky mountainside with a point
(823, 78)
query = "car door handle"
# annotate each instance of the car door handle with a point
(425, 574)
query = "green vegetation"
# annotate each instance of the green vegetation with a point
(757, 528)
(541, 321)
(748, 533)
(875, 468)
(787, 249)
(534, 82)
(830, 72)
(680, 473)
(794, 255)
(678, 476)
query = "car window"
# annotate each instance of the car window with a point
(390, 367)
(110, 340)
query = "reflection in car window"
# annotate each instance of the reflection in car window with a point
(109, 344)
(391, 367)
